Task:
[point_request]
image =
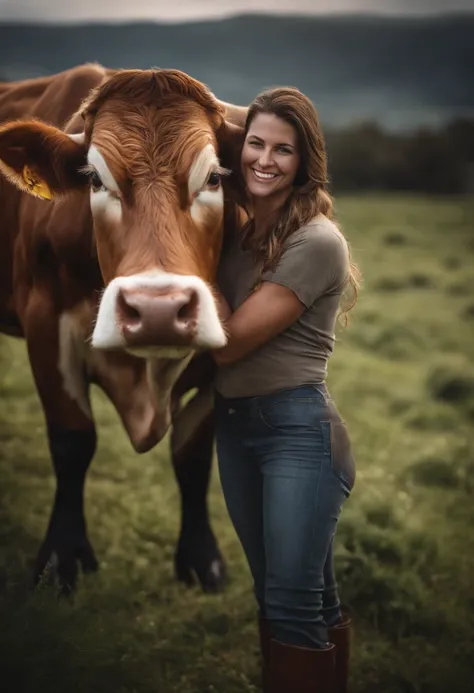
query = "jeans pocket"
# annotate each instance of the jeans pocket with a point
(340, 452)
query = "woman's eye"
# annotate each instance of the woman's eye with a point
(96, 183)
(214, 180)
(254, 144)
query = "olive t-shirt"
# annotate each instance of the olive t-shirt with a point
(315, 265)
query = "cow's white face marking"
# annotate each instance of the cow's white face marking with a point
(97, 161)
(72, 360)
(205, 201)
(205, 162)
(105, 202)
(204, 197)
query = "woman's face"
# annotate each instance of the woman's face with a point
(270, 156)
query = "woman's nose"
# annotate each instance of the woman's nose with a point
(266, 158)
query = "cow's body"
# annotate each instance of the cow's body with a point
(50, 284)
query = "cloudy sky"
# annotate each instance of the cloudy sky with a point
(185, 10)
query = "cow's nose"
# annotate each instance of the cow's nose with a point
(148, 318)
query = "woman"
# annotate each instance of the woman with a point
(284, 453)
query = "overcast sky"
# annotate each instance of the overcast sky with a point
(188, 10)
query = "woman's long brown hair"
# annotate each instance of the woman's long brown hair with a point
(309, 196)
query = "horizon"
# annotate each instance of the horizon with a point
(424, 82)
(187, 11)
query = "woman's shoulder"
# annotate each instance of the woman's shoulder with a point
(322, 234)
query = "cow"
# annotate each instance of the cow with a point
(106, 270)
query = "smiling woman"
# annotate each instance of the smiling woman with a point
(285, 457)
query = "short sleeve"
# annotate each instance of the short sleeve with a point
(314, 262)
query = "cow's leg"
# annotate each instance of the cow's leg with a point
(57, 357)
(66, 544)
(192, 441)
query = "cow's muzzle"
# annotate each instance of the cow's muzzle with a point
(158, 314)
(147, 317)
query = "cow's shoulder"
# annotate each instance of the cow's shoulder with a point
(67, 91)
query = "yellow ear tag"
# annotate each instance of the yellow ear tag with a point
(36, 186)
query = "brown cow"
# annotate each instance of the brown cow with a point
(140, 212)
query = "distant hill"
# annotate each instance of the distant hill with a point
(401, 72)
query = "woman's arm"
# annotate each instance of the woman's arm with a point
(236, 115)
(267, 311)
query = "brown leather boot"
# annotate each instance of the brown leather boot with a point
(265, 637)
(340, 636)
(301, 669)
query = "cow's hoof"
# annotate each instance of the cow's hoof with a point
(58, 563)
(86, 557)
(206, 567)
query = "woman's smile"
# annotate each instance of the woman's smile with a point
(264, 176)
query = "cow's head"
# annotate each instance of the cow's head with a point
(149, 152)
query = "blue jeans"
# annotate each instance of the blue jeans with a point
(286, 467)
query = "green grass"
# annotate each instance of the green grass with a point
(403, 378)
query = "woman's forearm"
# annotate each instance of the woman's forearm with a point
(269, 310)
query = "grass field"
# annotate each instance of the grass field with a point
(403, 378)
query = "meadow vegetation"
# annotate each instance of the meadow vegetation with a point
(403, 378)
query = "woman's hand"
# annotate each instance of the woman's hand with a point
(237, 115)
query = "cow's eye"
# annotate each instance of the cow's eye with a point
(214, 180)
(96, 182)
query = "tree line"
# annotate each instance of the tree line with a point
(427, 160)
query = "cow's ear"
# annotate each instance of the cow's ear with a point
(41, 159)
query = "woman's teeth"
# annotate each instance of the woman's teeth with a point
(264, 176)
